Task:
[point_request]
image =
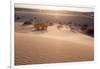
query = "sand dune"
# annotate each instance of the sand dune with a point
(52, 46)
(55, 17)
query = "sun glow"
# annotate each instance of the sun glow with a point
(51, 8)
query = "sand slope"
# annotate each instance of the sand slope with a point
(52, 46)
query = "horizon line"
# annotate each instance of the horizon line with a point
(55, 7)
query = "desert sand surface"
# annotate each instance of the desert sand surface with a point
(51, 46)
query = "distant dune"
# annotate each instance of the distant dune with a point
(54, 11)
(79, 18)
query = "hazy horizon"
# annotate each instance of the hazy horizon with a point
(56, 8)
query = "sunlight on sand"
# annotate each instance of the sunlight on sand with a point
(52, 46)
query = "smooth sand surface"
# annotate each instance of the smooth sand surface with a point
(52, 46)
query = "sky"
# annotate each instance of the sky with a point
(58, 2)
(51, 7)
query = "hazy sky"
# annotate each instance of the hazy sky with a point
(54, 7)
(58, 2)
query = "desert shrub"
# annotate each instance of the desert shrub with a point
(44, 26)
(79, 25)
(72, 28)
(61, 23)
(34, 18)
(66, 24)
(59, 26)
(69, 23)
(50, 24)
(27, 23)
(90, 31)
(84, 27)
(40, 26)
(31, 19)
(37, 26)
